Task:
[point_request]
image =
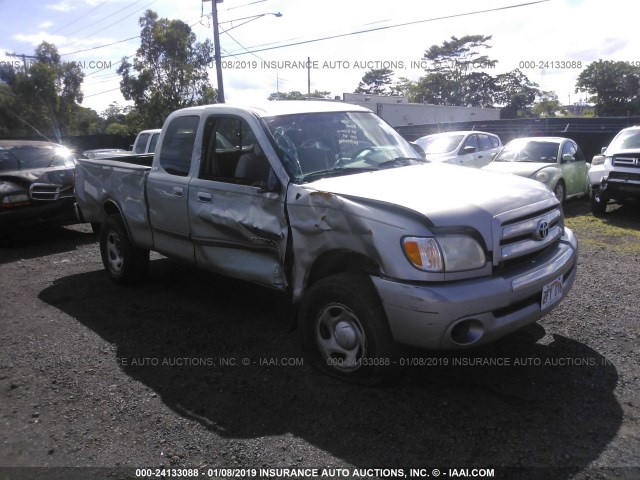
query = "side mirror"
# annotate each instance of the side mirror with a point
(271, 185)
(567, 157)
(603, 149)
(467, 149)
(419, 150)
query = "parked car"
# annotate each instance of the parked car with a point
(326, 203)
(615, 174)
(555, 161)
(104, 152)
(36, 185)
(471, 149)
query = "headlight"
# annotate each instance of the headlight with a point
(598, 160)
(16, 200)
(447, 253)
(542, 176)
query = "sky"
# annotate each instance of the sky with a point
(550, 41)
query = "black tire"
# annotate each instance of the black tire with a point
(560, 191)
(598, 203)
(124, 262)
(345, 331)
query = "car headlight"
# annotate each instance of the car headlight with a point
(16, 200)
(598, 160)
(447, 253)
(542, 177)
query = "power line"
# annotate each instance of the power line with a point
(103, 19)
(79, 18)
(117, 21)
(386, 27)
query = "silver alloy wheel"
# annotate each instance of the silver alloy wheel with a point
(114, 254)
(341, 338)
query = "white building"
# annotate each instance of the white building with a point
(397, 111)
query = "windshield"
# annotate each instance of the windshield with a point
(25, 157)
(626, 139)
(434, 144)
(316, 145)
(529, 151)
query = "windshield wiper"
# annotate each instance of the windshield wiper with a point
(402, 162)
(336, 172)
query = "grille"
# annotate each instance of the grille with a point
(632, 161)
(523, 238)
(633, 177)
(49, 192)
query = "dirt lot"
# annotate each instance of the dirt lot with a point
(191, 370)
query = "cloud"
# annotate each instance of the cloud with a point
(62, 6)
(37, 38)
(45, 24)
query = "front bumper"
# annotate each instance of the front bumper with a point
(437, 316)
(58, 212)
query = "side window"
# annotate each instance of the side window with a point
(569, 148)
(141, 143)
(495, 141)
(485, 143)
(231, 152)
(177, 145)
(152, 143)
(579, 155)
(470, 142)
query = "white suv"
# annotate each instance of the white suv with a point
(615, 174)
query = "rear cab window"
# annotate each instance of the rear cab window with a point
(176, 151)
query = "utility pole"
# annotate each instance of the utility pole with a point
(308, 78)
(23, 56)
(216, 46)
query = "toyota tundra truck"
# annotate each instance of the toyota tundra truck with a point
(374, 246)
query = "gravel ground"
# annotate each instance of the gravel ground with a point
(191, 370)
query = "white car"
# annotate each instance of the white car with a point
(471, 149)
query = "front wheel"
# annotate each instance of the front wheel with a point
(598, 202)
(125, 262)
(345, 330)
(559, 191)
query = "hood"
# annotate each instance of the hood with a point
(524, 169)
(448, 195)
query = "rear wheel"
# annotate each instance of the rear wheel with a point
(345, 331)
(125, 262)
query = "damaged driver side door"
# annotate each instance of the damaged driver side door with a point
(236, 207)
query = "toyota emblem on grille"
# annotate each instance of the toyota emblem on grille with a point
(542, 230)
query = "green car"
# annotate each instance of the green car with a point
(555, 161)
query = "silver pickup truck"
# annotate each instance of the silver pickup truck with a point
(374, 246)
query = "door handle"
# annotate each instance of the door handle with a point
(204, 197)
(178, 192)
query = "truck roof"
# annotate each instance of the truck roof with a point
(283, 107)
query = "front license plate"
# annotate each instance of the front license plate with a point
(551, 293)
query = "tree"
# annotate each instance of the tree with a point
(516, 93)
(169, 70)
(614, 87)
(452, 75)
(44, 96)
(548, 105)
(296, 95)
(376, 82)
